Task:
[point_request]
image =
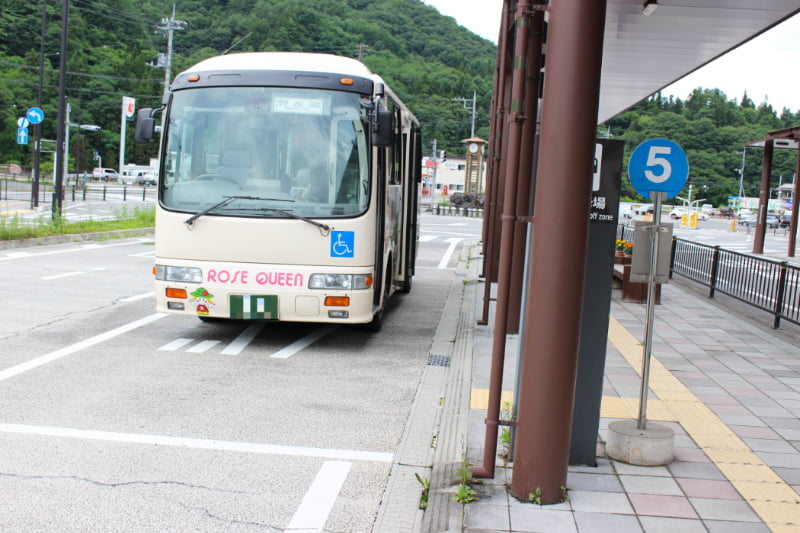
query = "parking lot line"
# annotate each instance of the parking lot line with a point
(313, 512)
(69, 350)
(298, 345)
(244, 338)
(205, 444)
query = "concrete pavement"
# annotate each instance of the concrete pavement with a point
(726, 383)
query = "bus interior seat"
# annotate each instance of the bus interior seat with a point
(235, 164)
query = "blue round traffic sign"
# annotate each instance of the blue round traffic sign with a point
(35, 115)
(658, 165)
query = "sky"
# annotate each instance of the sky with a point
(777, 80)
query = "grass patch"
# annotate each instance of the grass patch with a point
(12, 228)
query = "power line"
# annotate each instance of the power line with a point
(84, 74)
(114, 14)
(121, 92)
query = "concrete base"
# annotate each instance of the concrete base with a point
(651, 446)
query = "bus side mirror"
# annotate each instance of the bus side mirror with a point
(382, 131)
(145, 126)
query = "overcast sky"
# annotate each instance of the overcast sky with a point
(776, 79)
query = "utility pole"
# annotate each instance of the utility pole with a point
(435, 159)
(169, 26)
(362, 51)
(472, 108)
(61, 148)
(37, 144)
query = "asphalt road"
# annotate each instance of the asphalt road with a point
(115, 418)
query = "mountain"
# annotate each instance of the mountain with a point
(114, 45)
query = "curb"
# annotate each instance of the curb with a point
(76, 237)
(434, 441)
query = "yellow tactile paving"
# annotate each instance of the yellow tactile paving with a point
(479, 399)
(769, 496)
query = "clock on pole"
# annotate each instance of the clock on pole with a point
(473, 180)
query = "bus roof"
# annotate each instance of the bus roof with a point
(285, 61)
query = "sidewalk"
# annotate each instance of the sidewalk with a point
(728, 385)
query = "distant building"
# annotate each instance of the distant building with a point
(443, 178)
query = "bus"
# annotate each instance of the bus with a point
(288, 190)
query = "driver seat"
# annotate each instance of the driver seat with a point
(236, 164)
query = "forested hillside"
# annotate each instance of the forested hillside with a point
(712, 128)
(426, 58)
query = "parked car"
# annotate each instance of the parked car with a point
(126, 178)
(105, 174)
(146, 178)
(678, 212)
(785, 220)
(752, 220)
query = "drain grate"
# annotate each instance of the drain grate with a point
(438, 360)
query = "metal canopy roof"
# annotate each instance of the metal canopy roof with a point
(643, 54)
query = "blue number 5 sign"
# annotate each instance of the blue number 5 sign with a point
(658, 165)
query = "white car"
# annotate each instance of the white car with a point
(678, 212)
(146, 178)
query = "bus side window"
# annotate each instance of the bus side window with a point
(348, 188)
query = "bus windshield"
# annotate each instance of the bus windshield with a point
(302, 151)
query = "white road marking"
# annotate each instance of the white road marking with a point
(175, 345)
(427, 238)
(137, 297)
(298, 345)
(64, 275)
(63, 352)
(203, 346)
(18, 255)
(449, 253)
(70, 274)
(313, 512)
(205, 444)
(244, 338)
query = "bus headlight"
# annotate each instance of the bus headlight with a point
(340, 281)
(182, 274)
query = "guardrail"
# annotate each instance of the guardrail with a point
(21, 191)
(767, 284)
(470, 212)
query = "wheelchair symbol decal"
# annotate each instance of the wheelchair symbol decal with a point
(343, 243)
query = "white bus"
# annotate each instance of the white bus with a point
(287, 191)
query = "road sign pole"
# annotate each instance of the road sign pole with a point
(657, 197)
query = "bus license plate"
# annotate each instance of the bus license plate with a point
(254, 307)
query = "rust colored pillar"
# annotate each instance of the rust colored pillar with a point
(491, 216)
(795, 214)
(558, 258)
(763, 198)
(524, 180)
(515, 119)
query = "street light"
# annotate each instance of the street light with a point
(741, 175)
(85, 127)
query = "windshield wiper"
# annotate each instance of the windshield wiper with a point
(292, 215)
(227, 199)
